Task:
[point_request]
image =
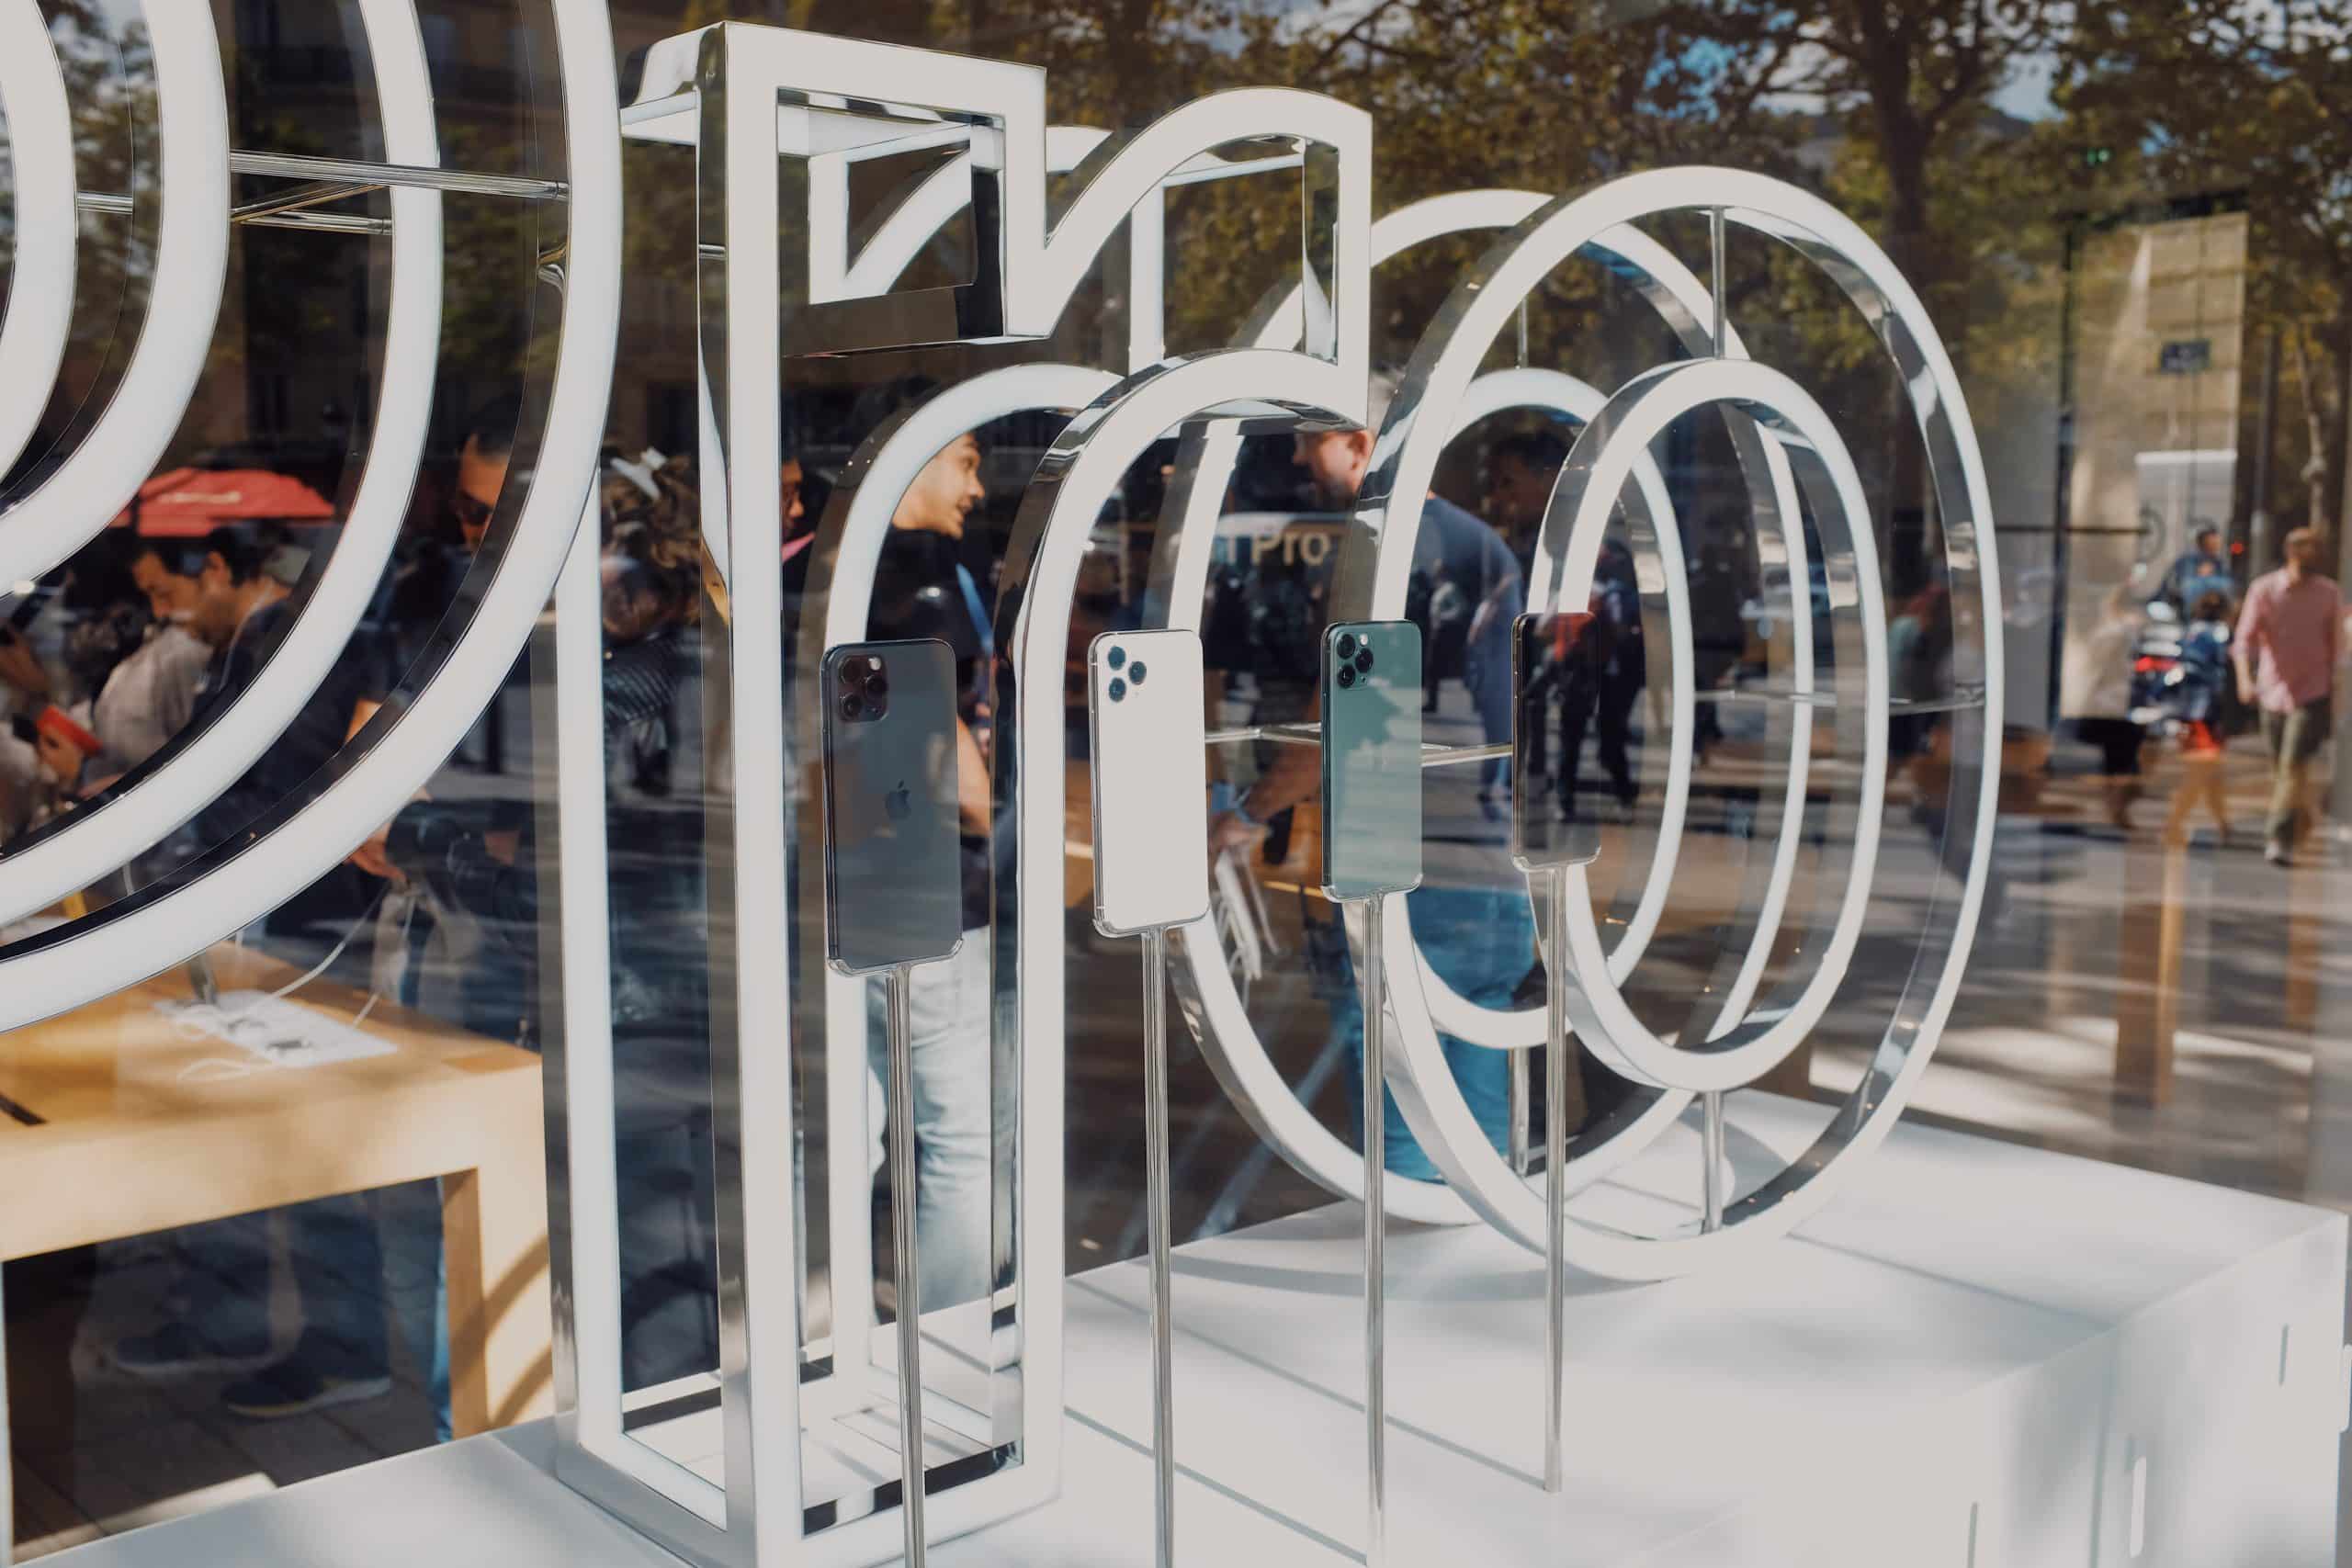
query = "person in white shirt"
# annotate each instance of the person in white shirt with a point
(149, 697)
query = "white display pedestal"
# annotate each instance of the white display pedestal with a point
(1981, 1355)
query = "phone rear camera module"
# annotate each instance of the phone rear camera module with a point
(1348, 644)
(1363, 662)
(1138, 672)
(1347, 676)
(1118, 691)
(1116, 658)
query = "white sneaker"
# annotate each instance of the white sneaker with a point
(2275, 853)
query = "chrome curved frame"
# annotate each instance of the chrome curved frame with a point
(40, 312)
(1834, 242)
(69, 507)
(1740, 1049)
(1450, 353)
(234, 884)
(132, 817)
(751, 318)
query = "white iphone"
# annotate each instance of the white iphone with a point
(1149, 732)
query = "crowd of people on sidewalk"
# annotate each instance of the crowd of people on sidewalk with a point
(2225, 663)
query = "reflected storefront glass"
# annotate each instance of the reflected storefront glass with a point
(281, 1207)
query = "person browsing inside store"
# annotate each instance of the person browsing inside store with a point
(1477, 938)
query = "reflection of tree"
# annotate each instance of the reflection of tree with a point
(2206, 94)
(110, 88)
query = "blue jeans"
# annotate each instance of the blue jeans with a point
(1481, 940)
(1487, 676)
(416, 1285)
(959, 1119)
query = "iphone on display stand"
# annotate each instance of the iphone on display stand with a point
(1147, 725)
(894, 899)
(1370, 699)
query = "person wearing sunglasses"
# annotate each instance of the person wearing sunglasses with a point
(482, 462)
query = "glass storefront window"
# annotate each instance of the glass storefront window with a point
(280, 1207)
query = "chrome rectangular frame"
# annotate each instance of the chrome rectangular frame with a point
(743, 96)
(752, 101)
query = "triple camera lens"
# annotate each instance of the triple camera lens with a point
(865, 690)
(1117, 660)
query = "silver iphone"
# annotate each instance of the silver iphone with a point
(893, 861)
(1148, 726)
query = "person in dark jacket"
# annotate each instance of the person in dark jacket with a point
(241, 612)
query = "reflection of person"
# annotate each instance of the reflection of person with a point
(1598, 676)
(1918, 644)
(923, 587)
(2201, 569)
(1461, 560)
(240, 611)
(66, 749)
(151, 694)
(2289, 636)
(2204, 691)
(655, 851)
(1477, 938)
(1521, 469)
(2103, 701)
(1621, 669)
(482, 462)
(1723, 580)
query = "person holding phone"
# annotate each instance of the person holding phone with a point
(151, 695)
(1478, 938)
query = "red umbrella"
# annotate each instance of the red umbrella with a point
(186, 502)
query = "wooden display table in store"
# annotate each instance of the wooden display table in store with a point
(114, 1123)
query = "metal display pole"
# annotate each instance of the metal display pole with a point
(1711, 1145)
(1516, 1083)
(1376, 1267)
(7, 1475)
(1156, 1181)
(899, 987)
(1555, 1185)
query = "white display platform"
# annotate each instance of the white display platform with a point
(1981, 1356)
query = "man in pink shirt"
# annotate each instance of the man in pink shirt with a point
(2287, 639)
